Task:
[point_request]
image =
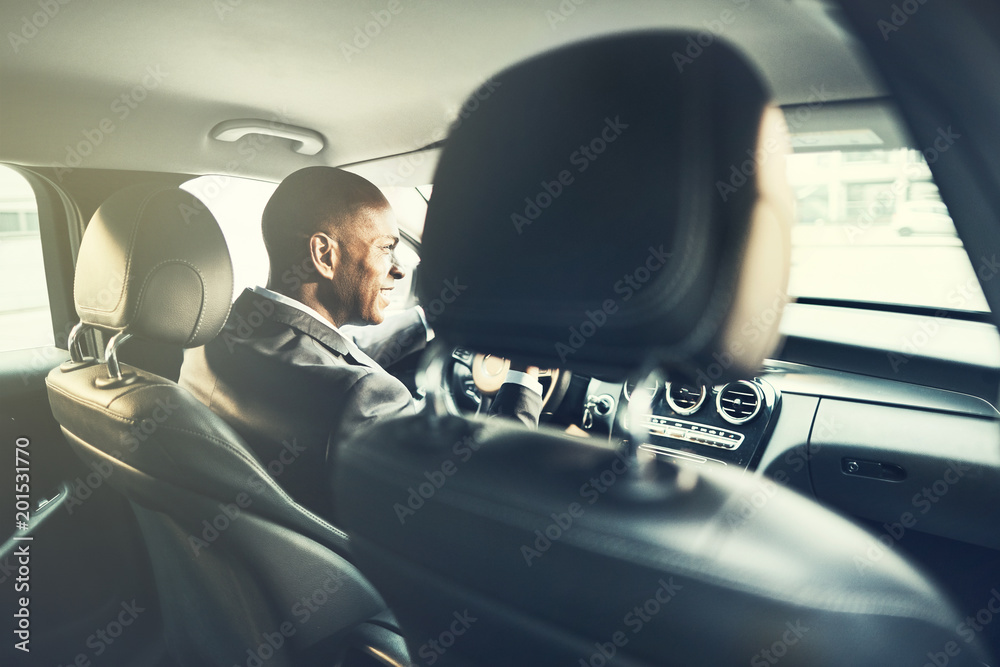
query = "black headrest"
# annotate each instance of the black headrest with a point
(597, 208)
(153, 262)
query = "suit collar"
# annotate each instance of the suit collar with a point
(297, 318)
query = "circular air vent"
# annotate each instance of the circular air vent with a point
(685, 399)
(652, 386)
(739, 402)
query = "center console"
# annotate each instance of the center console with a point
(726, 424)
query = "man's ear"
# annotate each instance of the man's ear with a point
(325, 254)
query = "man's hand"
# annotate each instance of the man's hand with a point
(516, 365)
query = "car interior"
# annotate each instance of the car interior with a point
(750, 243)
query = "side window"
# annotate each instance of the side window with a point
(25, 318)
(410, 208)
(237, 203)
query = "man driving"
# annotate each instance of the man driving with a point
(283, 373)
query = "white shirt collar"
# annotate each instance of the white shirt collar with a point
(289, 301)
(298, 305)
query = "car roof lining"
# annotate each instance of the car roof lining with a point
(195, 64)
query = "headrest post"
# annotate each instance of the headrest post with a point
(111, 354)
(74, 343)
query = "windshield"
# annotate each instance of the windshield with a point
(872, 228)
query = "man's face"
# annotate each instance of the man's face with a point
(366, 270)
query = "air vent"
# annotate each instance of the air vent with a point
(739, 402)
(652, 386)
(685, 399)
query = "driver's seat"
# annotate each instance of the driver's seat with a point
(592, 207)
(244, 574)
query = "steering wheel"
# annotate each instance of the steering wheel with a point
(475, 378)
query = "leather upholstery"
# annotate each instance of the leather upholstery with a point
(499, 546)
(608, 151)
(150, 264)
(236, 560)
(551, 543)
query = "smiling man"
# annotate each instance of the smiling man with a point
(283, 372)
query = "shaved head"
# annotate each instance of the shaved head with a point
(314, 199)
(331, 238)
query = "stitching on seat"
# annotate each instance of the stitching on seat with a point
(253, 464)
(92, 404)
(259, 468)
(142, 292)
(594, 540)
(128, 255)
(641, 552)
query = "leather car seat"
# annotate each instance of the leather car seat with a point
(617, 208)
(243, 572)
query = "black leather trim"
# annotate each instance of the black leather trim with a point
(501, 537)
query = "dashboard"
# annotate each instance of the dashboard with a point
(726, 424)
(887, 451)
(882, 450)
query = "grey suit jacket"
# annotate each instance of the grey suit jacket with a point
(294, 388)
